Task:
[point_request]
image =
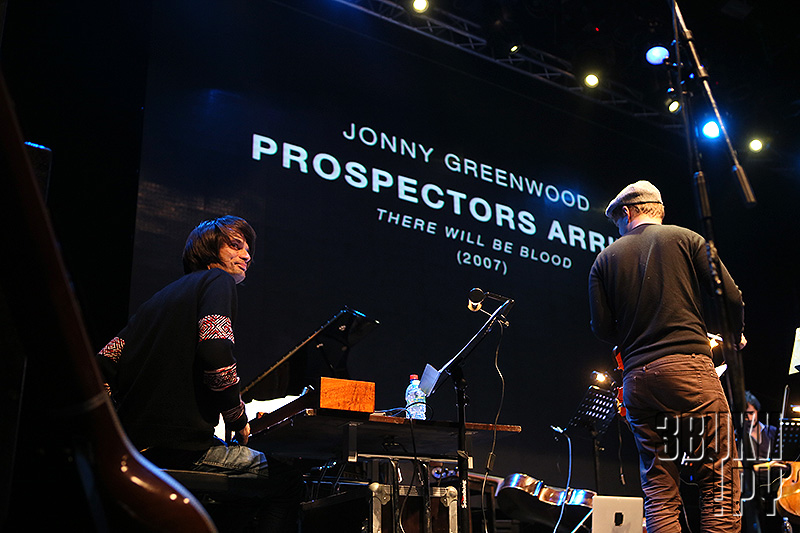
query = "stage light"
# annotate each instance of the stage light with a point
(603, 380)
(504, 36)
(420, 6)
(656, 55)
(591, 80)
(714, 340)
(711, 129)
(755, 145)
(672, 102)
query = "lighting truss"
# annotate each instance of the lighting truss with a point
(468, 36)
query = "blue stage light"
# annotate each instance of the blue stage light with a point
(711, 129)
(656, 55)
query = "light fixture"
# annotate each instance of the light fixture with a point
(714, 340)
(504, 36)
(672, 102)
(656, 55)
(755, 145)
(420, 6)
(711, 129)
(593, 58)
(603, 380)
(673, 105)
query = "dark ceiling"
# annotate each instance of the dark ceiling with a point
(747, 47)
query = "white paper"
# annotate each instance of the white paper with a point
(253, 408)
(795, 362)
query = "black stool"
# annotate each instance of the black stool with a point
(232, 502)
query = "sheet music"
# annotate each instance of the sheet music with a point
(795, 362)
(253, 408)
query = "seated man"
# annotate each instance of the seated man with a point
(760, 486)
(171, 372)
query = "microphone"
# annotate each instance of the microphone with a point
(476, 297)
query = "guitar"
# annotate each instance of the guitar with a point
(713, 340)
(72, 446)
(620, 367)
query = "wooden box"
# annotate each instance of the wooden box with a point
(347, 395)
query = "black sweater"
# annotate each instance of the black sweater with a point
(171, 370)
(647, 293)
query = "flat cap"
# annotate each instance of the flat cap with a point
(641, 192)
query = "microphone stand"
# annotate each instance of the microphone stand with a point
(730, 346)
(702, 74)
(432, 378)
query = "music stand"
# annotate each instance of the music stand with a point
(787, 444)
(431, 378)
(430, 382)
(593, 416)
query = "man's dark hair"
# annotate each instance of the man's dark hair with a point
(750, 398)
(202, 246)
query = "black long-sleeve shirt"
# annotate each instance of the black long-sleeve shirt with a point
(647, 291)
(171, 370)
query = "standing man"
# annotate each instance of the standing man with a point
(646, 296)
(171, 372)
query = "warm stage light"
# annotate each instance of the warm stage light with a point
(420, 6)
(756, 145)
(591, 80)
(672, 102)
(656, 55)
(603, 380)
(714, 340)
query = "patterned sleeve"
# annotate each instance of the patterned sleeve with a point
(108, 359)
(215, 343)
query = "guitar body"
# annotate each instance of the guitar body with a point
(72, 466)
(530, 500)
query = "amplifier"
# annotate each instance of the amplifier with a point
(372, 508)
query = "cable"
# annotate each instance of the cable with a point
(490, 458)
(322, 473)
(338, 478)
(569, 480)
(582, 521)
(417, 474)
(619, 449)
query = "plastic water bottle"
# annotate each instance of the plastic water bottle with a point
(415, 399)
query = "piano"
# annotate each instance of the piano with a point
(305, 427)
(323, 354)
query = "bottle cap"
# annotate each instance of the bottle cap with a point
(413, 376)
